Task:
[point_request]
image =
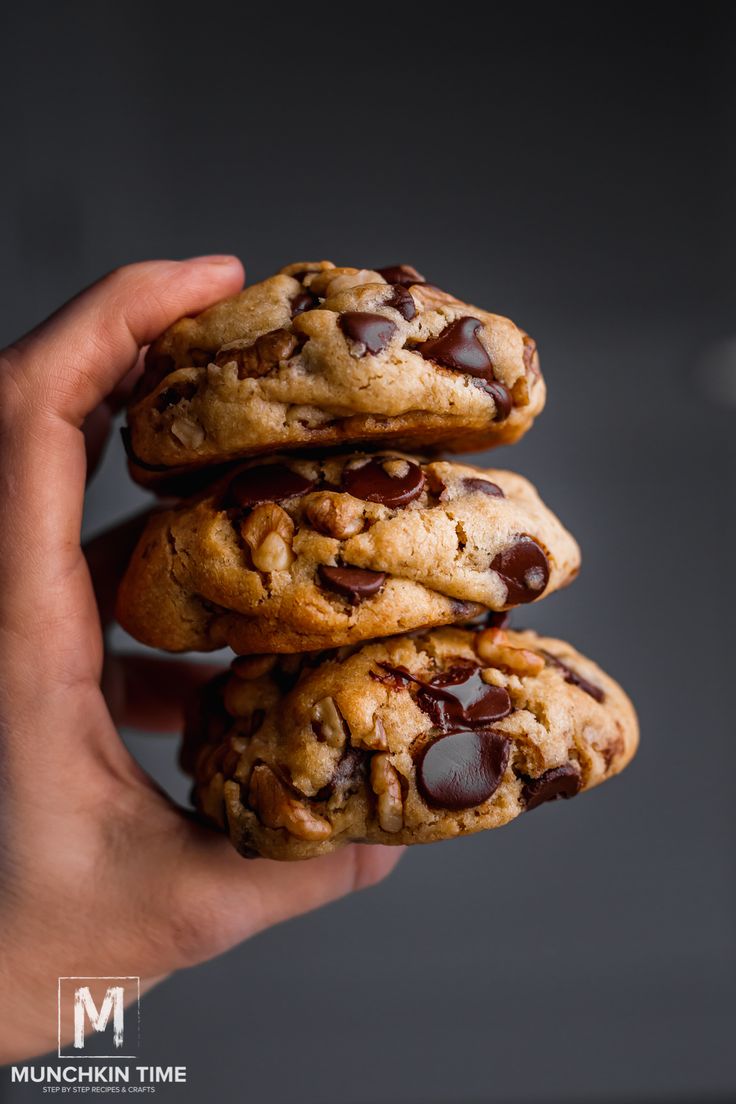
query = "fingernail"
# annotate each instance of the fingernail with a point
(213, 259)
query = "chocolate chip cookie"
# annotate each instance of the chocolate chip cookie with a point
(407, 740)
(293, 554)
(321, 356)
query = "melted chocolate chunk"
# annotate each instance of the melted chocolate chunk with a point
(354, 583)
(268, 483)
(303, 301)
(574, 678)
(470, 483)
(400, 299)
(559, 782)
(462, 769)
(349, 772)
(459, 348)
(524, 568)
(396, 677)
(501, 397)
(372, 331)
(372, 483)
(459, 699)
(497, 619)
(405, 275)
(456, 699)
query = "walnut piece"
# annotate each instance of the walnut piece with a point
(277, 808)
(260, 358)
(328, 723)
(335, 515)
(375, 739)
(386, 786)
(396, 467)
(268, 531)
(334, 280)
(520, 392)
(187, 433)
(493, 648)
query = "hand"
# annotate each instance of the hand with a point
(101, 873)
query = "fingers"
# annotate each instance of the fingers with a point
(247, 897)
(71, 362)
(97, 425)
(107, 558)
(49, 383)
(150, 693)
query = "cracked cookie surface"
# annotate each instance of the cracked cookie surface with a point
(292, 554)
(321, 356)
(412, 739)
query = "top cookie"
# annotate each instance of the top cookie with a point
(319, 356)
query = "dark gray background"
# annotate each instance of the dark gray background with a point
(571, 167)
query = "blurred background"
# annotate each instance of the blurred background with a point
(572, 167)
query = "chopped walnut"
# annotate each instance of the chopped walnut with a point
(396, 467)
(375, 739)
(492, 646)
(328, 723)
(520, 392)
(268, 531)
(335, 515)
(333, 281)
(187, 433)
(531, 356)
(386, 786)
(278, 808)
(260, 358)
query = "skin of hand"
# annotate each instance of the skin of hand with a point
(100, 873)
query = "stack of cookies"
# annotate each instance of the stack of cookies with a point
(378, 694)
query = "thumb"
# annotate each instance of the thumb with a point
(223, 899)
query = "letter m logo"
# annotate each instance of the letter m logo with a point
(99, 1017)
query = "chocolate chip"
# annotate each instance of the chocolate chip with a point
(372, 332)
(396, 677)
(459, 348)
(373, 483)
(501, 397)
(574, 678)
(173, 395)
(524, 568)
(354, 583)
(401, 300)
(405, 275)
(268, 483)
(459, 698)
(304, 301)
(349, 772)
(558, 782)
(497, 619)
(471, 483)
(462, 769)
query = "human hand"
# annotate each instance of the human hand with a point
(101, 874)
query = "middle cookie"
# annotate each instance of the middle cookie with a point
(296, 554)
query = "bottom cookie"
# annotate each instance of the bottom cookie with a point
(410, 739)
